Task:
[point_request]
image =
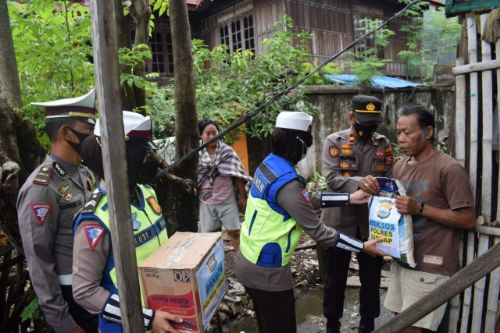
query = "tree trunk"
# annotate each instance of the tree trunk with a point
(123, 35)
(140, 12)
(9, 79)
(20, 153)
(184, 211)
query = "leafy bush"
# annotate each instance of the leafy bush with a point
(230, 84)
(52, 40)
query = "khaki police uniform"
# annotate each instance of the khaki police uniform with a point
(46, 205)
(346, 159)
(345, 162)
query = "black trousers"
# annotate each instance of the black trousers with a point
(336, 262)
(275, 310)
(87, 321)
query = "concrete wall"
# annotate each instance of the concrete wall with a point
(334, 104)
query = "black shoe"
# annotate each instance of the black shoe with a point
(332, 326)
(366, 325)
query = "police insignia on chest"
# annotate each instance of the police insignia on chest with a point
(67, 197)
(153, 203)
(63, 189)
(333, 151)
(59, 169)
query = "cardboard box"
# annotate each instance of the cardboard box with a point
(186, 277)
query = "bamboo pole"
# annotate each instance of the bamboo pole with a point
(459, 154)
(476, 67)
(479, 289)
(486, 174)
(497, 52)
(494, 286)
(107, 74)
(460, 115)
(491, 231)
(467, 300)
(454, 317)
(454, 314)
(487, 112)
(463, 278)
(474, 101)
(492, 303)
(470, 22)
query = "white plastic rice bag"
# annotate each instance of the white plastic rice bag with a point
(395, 230)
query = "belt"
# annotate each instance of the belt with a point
(65, 279)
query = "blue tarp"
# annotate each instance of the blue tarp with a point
(379, 81)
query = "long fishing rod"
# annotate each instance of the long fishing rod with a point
(246, 117)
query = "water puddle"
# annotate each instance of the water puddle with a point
(309, 312)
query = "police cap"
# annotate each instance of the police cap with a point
(83, 108)
(367, 109)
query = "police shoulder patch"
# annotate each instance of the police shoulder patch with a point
(43, 175)
(91, 205)
(93, 233)
(41, 211)
(153, 203)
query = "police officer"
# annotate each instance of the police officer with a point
(351, 160)
(94, 272)
(46, 205)
(278, 209)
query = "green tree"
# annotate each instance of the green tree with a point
(53, 51)
(427, 43)
(366, 62)
(231, 84)
(441, 35)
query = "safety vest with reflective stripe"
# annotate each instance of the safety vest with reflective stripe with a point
(269, 235)
(149, 234)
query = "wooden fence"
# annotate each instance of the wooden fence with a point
(477, 90)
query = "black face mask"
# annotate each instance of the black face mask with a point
(81, 137)
(306, 142)
(364, 133)
(143, 173)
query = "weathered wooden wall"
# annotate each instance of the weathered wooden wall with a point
(477, 99)
(329, 21)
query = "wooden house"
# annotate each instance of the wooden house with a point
(244, 24)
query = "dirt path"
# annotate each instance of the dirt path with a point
(236, 311)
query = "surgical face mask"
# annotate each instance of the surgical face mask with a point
(81, 137)
(363, 132)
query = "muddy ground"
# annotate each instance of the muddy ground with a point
(236, 314)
